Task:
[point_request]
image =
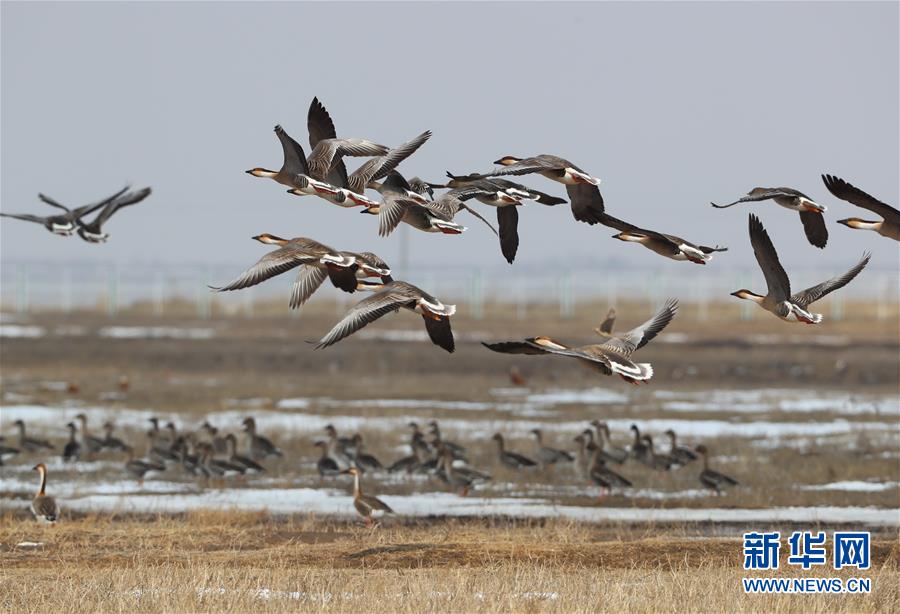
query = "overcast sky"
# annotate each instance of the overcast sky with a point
(672, 105)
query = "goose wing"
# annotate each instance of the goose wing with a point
(779, 286)
(25, 216)
(294, 156)
(53, 203)
(508, 223)
(83, 210)
(379, 167)
(440, 333)
(131, 198)
(640, 336)
(270, 265)
(515, 347)
(586, 202)
(523, 167)
(321, 127)
(365, 312)
(308, 280)
(814, 227)
(852, 194)
(391, 213)
(758, 194)
(811, 295)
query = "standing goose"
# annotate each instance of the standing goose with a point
(680, 454)
(260, 447)
(113, 443)
(606, 327)
(390, 297)
(44, 507)
(613, 356)
(219, 443)
(547, 455)
(92, 232)
(72, 449)
(326, 465)
(638, 451)
(584, 195)
(369, 507)
(337, 447)
(778, 299)
(216, 466)
(603, 476)
(513, 460)
(889, 226)
(584, 454)
(30, 444)
(608, 451)
(248, 464)
(363, 461)
(139, 468)
(91, 443)
(810, 211)
(713, 479)
(660, 462)
(437, 440)
(62, 224)
(414, 461)
(462, 478)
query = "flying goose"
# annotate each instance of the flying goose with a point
(92, 232)
(378, 167)
(889, 226)
(369, 507)
(44, 507)
(663, 244)
(511, 188)
(810, 211)
(428, 216)
(513, 460)
(606, 327)
(713, 479)
(584, 195)
(325, 160)
(294, 171)
(390, 297)
(778, 299)
(612, 356)
(30, 444)
(63, 224)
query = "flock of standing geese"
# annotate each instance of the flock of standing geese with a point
(208, 454)
(414, 202)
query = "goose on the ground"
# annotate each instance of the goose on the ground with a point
(789, 198)
(778, 298)
(660, 462)
(249, 465)
(678, 453)
(639, 450)
(362, 460)
(713, 479)
(139, 468)
(603, 476)
(113, 443)
(608, 451)
(326, 465)
(613, 356)
(888, 226)
(388, 298)
(260, 447)
(7, 452)
(369, 507)
(43, 506)
(547, 455)
(513, 460)
(30, 444)
(90, 442)
(72, 449)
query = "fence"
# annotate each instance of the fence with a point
(26, 287)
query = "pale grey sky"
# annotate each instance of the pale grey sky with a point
(672, 105)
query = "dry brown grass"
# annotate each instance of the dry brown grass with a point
(238, 562)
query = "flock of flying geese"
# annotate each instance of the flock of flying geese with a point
(414, 202)
(208, 454)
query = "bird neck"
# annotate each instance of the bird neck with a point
(43, 473)
(357, 491)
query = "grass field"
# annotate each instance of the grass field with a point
(226, 561)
